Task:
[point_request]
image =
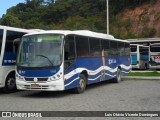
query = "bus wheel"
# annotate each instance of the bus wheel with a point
(82, 84)
(118, 77)
(10, 84)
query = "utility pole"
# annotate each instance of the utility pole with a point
(107, 16)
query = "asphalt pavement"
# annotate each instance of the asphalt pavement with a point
(128, 95)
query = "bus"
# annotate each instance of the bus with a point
(139, 56)
(61, 60)
(8, 52)
(155, 56)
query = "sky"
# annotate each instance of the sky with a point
(5, 4)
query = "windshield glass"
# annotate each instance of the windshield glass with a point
(155, 48)
(43, 50)
(133, 48)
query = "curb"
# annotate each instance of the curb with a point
(140, 78)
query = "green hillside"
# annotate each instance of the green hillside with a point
(73, 15)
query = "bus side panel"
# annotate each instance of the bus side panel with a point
(93, 66)
(125, 63)
(71, 77)
(134, 58)
(155, 59)
(9, 59)
(112, 65)
(95, 70)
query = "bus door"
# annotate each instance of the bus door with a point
(69, 62)
(134, 54)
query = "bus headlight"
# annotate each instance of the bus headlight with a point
(53, 78)
(18, 77)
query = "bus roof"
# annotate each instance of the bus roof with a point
(138, 45)
(80, 32)
(143, 40)
(20, 29)
(155, 44)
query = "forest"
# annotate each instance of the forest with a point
(71, 15)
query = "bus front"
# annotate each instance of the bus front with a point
(39, 62)
(155, 56)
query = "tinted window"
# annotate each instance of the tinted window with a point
(95, 47)
(155, 48)
(105, 46)
(144, 50)
(121, 49)
(82, 46)
(11, 36)
(127, 49)
(1, 37)
(113, 44)
(69, 48)
(113, 48)
(133, 48)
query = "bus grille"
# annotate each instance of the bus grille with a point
(42, 87)
(39, 79)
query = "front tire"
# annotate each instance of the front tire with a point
(82, 84)
(10, 84)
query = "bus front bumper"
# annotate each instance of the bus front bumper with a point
(154, 67)
(135, 66)
(47, 86)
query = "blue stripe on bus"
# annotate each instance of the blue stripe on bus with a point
(9, 59)
(38, 73)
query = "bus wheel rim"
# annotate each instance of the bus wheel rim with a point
(11, 83)
(119, 75)
(81, 83)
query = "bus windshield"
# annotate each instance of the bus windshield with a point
(42, 50)
(155, 48)
(133, 48)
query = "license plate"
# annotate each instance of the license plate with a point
(35, 85)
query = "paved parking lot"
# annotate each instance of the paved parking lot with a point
(129, 95)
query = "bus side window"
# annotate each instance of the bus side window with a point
(69, 51)
(105, 45)
(1, 37)
(11, 36)
(16, 43)
(82, 46)
(113, 48)
(121, 49)
(127, 49)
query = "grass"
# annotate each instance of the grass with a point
(144, 74)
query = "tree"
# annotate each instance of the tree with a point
(10, 20)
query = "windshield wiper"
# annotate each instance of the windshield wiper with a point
(46, 58)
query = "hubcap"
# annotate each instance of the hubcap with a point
(119, 75)
(81, 83)
(11, 83)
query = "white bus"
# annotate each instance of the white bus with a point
(139, 56)
(61, 60)
(8, 53)
(154, 56)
